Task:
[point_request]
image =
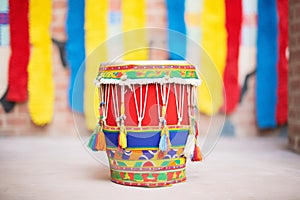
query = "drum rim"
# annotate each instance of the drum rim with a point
(146, 62)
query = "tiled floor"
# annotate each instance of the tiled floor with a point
(61, 168)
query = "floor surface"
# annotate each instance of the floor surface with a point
(61, 168)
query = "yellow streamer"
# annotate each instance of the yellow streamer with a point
(135, 42)
(40, 82)
(213, 40)
(96, 20)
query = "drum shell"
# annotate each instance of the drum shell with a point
(123, 86)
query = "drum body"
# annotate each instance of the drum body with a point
(144, 97)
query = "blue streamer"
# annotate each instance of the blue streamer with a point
(4, 23)
(267, 56)
(176, 29)
(75, 52)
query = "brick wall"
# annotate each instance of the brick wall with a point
(294, 75)
(156, 17)
(18, 121)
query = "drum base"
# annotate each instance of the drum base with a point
(148, 184)
(148, 173)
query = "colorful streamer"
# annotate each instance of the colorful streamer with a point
(267, 54)
(4, 23)
(40, 82)
(4, 45)
(193, 10)
(157, 35)
(134, 20)
(5, 54)
(76, 52)
(176, 29)
(282, 65)
(233, 27)
(247, 52)
(114, 43)
(19, 43)
(214, 43)
(96, 22)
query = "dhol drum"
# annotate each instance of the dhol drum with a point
(147, 122)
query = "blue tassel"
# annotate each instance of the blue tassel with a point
(164, 143)
(163, 146)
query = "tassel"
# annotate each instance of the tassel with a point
(189, 146)
(97, 141)
(197, 156)
(190, 142)
(123, 137)
(123, 133)
(164, 143)
(92, 142)
(101, 143)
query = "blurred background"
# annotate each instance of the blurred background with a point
(247, 41)
(46, 89)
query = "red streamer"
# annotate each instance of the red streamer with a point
(233, 26)
(19, 43)
(282, 65)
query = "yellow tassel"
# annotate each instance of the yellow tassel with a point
(192, 129)
(101, 143)
(163, 111)
(123, 137)
(122, 109)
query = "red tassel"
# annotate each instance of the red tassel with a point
(197, 156)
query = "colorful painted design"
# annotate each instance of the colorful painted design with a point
(147, 71)
(120, 154)
(144, 165)
(145, 168)
(147, 173)
(148, 179)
